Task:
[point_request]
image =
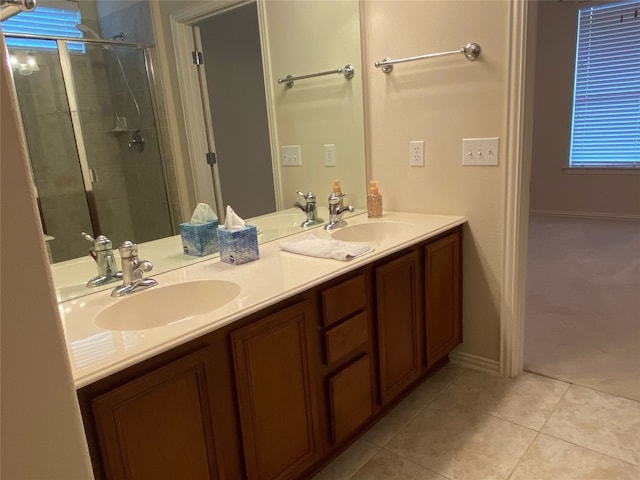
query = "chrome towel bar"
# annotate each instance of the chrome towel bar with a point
(347, 71)
(471, 51)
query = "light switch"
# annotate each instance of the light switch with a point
(480, 151)
(330, 155)
(290, 156)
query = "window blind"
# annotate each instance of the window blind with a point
(606, 104)
(47, 21)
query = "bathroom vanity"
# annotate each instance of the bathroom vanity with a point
(277, 381)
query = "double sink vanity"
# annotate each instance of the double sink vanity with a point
(269, 369)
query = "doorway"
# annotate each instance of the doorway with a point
(227, 111)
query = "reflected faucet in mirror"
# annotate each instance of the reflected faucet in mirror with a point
(310, 209)
(102, 253)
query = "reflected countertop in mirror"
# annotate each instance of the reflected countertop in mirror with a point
(166, 254)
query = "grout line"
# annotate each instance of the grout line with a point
(526, 450)
(556, 407)
(419, 465)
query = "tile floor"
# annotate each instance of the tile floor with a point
(466, 425)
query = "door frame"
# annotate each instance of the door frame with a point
(523, 22)
(191, 94)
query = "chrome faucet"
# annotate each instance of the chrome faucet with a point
(132, 271)
(102, 253)
(336, 211)
(310, 208)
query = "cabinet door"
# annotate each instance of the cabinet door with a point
(278, 412)
(442, 297)
(398, 311)
(159, 426)
(351, 399)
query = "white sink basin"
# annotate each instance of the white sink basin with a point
(372, 232)
(162, 305)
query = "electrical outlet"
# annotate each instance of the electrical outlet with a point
(290, 156)
(330, 155)
(416, 153)
(480, 151)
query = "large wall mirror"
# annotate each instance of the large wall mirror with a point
(107, 125)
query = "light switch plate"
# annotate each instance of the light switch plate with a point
(480, 151)
(290, 156)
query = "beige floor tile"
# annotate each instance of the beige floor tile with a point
(349, 461)
(462, 444)
(390, 424)
(389, 466)
(527, 400)
(599, 421)
(553, 459)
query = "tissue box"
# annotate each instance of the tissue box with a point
(238, 245)
(199, 239)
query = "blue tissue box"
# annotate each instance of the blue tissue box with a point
(199, 239)
(239, 245)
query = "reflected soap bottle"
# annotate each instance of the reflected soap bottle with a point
(338, 190)
(374, 201)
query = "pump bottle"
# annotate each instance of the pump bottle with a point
(374, 201)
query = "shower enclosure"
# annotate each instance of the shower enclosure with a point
(88, 113)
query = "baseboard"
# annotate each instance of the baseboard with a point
(629, 217)
(475, 362)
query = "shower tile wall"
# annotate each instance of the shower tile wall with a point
(146, 174)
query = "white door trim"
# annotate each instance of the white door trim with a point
(518, 174)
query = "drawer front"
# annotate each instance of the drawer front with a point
(344, 300)
(351, 398)
(346, 337)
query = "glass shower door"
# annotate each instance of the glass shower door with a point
(55, 164)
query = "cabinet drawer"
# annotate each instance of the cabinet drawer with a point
(351, 398)
(343, 300)
(346, 337)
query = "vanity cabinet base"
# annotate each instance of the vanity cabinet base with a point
(280, 393)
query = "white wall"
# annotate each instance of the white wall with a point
(442, 101)
(42, 435)
(552, 188)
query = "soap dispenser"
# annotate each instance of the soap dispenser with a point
(338, 191)
(374, 201)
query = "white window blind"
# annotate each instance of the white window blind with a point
(47, 21)
(606, 103)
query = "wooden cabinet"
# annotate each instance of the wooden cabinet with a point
(159, 425)
(276, 394)
(442, 293)
(278, 411)
(398, 302)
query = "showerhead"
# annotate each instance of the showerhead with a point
(88, 31)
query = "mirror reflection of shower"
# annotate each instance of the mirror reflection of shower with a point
(121, 121)
(92, 106)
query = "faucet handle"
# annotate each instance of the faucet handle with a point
(335, 198)
(128, 250)
(309, 197)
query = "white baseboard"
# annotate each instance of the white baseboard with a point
(629, 217)
(475, 362)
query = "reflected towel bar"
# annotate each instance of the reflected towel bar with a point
(347, 71)
(471, 51)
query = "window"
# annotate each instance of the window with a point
(47, 21)
(606, 102)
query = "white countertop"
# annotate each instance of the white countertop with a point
(96, 353)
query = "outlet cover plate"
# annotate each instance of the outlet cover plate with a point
(329, 155)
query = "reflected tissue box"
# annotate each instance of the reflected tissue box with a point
(199, 239)
(238, 245)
